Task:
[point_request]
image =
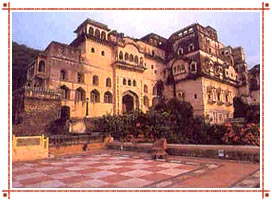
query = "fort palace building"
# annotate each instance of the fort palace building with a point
(103, 71)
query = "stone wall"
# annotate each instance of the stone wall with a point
(38, 110)
(73, 149)
(245, 153)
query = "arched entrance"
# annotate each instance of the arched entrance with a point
(130, 102)
(65, 112)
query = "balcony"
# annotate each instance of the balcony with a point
(129, 66)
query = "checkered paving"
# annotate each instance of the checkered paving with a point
(98, 171)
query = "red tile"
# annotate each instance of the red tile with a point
(115, 178)
(187, 167)
(69, 164)
(124, 163)
(75, 179)
(87, 171)
(109, 186)
(22, 172)
(97, 164)
(154, 168)
(35, 180)
(155, 177)
(121, 170)
(56, 171)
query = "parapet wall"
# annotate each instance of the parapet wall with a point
(228, 152)
(29, 148)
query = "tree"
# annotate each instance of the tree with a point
(251, 113)
(22, 56)
(240, 108)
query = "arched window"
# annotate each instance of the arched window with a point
(91, 30)
(97, 33)
(155, 90)
(134, 83)
(95, 96)
(103, 35)
(95, 80)
(219, 96)
(120, 55)
(136, 59)
(107, 97)
(153, 53)
(41, 67)
(129, 82)
(63, 75)
(181, 96)
(193, 67)
(179, 68)
(131, 58)
(108, 82)
(191, 48)
(65, 92)
(183, 67)
(146, 101)
(174, 69)
(80, 94)
(145, 89)
(124, 81)
(141, 61)
(103, 53)
(92, 50)
(227, 97)
(80, 77)
(180, 51)
(126, 56)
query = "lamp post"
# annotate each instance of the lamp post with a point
(87, 107)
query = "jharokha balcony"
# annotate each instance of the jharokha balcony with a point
(129, 66)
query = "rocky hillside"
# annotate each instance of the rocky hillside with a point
(21, 57)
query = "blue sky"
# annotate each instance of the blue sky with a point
(38, 29)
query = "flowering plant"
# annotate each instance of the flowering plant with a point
(248, 134)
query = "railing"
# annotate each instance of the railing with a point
(29, 147)
(41, 141)
(66, 140)
(38, 92)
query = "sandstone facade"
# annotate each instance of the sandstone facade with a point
(105, 72)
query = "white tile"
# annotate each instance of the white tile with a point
(173, 172)
(64, 175)
(28, 176)
(100, 174)
(47, 184)
(77, 168)
(16, 184)
(136, 173)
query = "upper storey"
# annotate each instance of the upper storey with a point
(198, 38)
(185, 41)
(196, 45)
(93, 28)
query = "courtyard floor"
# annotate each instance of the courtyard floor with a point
(115, 169)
